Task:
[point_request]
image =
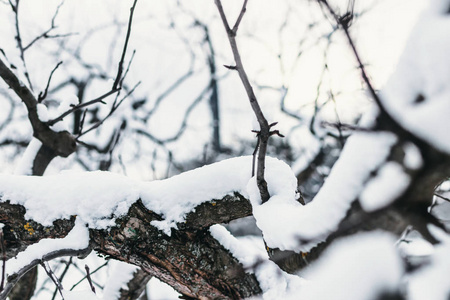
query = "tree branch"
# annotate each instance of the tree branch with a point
(264, 130)
(117, 84)
(62, 143)
(190, 260)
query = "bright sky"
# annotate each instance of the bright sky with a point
(161, 57)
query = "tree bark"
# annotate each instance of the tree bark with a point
(190, 260)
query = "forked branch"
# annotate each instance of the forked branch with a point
(264, 130)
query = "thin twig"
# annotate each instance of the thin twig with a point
(183, 125)
(241, 15)
(88, 276)
(117, 82)
(45, 34)
(63, 274)
(43, 95)
(442, 197)
(113, 109)
(264, 130)
(126, 71)
(254, 155)
(80, 106)
(345, 22)
(85, 277)
(53, 278)
(14, 278)
(15, 9)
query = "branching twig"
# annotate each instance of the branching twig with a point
(264, 132)
(85, 277)
(13, 279)
(113, 109)
(117, 86)
(183, 125)
(45, 34)
(80, 106)
(63, 274)
(345, 22)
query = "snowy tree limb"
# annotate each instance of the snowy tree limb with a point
(190, 260)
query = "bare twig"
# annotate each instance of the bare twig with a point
(85, 277)
(63, 274)
(53, 278)
(183, 125)
(113, 109)
(45, 34)
(15, 9)
(117, 86)
(442, 197)
(264, 130)
(43, 95)
(345, 22)
(117, 81)
(14, 278)
(80, 106)
(342, 126)
(88, 276)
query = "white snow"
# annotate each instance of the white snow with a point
(250, 251)
(359, 267)
(77, 295)
(65, 105)
(120, 275)
(93, 196)
(158, 290)
(413, 158)
(42, 112)
(415, 246)
(288, 225)
(422, 70)
(77, 239)
(390, 182)
(177, 196)
(25, 165)
(98, 197)
(431, 281)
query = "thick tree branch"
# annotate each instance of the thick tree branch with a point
(190, 260)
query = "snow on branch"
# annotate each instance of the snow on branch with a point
(417, 93)
(97, 198)
(368, 266)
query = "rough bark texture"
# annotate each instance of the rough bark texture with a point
(190, 260)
